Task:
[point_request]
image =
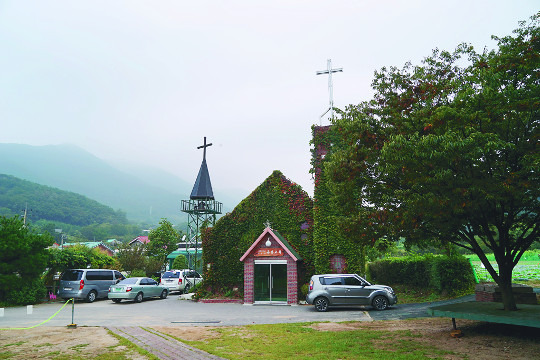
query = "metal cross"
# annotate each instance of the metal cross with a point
(267, 224)
(204, 148)
(329, 71)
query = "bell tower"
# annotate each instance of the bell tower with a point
(202, 209)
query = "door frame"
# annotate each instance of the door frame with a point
(271, 262)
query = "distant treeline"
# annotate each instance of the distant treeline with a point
(51, 204)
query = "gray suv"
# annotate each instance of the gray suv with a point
(347, 290)
(87, 284)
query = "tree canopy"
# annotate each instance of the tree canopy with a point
(447, 152)
(23, 258)
(163, 240)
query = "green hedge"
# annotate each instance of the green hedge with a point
(24, 291)
(452, 275)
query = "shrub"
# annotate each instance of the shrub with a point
(137, 273)
(452, 275)
(180, 262)
(27, 292)
(304, 290)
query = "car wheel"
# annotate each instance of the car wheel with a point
(163, 294)
(380, 303)
(187, 288)
(321, 304)
(92, 295)
(116, 300)
(139, 297)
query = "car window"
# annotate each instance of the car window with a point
(332, 281)
(128, 281)
(72, 275)
(92, 275)
(196, 275)
(350, 280)
(105, 275)
(171, 274)
(152, 282)
(118, 275)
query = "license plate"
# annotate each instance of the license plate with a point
(117, 289)
(68, 289)
(169, 280)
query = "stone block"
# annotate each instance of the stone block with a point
(490, 292)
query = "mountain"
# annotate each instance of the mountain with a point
(73, 169)
(52, 204)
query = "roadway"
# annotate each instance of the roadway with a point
(175, 312)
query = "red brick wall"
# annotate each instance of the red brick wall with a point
(249, 274)
(489, 292)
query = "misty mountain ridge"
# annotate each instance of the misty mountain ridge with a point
(53, 205)
(144, 195)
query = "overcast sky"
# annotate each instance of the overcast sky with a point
(145, 81)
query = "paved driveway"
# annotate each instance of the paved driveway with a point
(175, 312)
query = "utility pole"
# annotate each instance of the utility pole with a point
(25, 214)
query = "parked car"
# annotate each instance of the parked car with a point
(137, 289)
(180, 280)
(87, 284)
(328, 290)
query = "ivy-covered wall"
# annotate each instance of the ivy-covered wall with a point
(327, 240)
(278, 200)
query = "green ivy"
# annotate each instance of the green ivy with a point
(328, 239)
(278, 200)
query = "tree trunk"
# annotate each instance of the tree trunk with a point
(505, 284)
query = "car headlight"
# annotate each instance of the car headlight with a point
(389, 289)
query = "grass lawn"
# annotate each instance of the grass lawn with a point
(301, 340)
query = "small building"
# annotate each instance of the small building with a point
(270, 270)
(139, 240)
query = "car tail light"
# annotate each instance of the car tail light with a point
(128, 289)
(81, 284)
(311, 285)
(179, 281)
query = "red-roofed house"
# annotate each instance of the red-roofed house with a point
(139, 240)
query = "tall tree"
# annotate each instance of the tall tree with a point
(131, 257)
(162, 240)
(23, 259)
(447, 152)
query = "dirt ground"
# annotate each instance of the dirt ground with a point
(52, 342)
(479, 341)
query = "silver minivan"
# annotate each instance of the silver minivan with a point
(87, 284)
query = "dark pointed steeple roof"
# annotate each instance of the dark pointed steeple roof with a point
(202, 190)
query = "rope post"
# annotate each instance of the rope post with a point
(72, 325)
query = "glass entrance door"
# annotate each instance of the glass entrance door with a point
(270, 283)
